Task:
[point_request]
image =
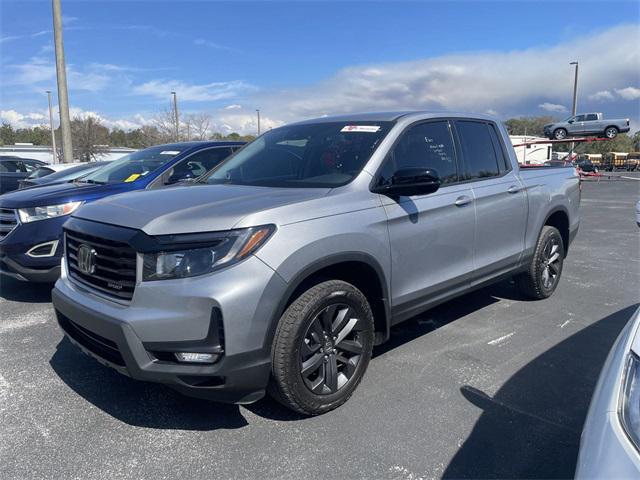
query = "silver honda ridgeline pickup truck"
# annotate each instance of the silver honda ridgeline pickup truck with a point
(281, 269)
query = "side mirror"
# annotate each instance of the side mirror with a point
(410, 181)
(570, 121)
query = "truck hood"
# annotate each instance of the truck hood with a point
(59, 193)
(194, 208)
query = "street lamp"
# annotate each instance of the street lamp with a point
(575, 89)
(258, 112)
(63, 97)
(175, 115)
(54, 151)
(575, 98)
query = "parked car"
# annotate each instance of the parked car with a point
(31, 219)
(587, 166)
(60, 173)
(14, 169)
(282, 267)
(586, 124)
(610, 442)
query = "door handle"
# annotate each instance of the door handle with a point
(514, 189)
(463, 200)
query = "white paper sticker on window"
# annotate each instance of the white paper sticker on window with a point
(361, 128)
(170, 152)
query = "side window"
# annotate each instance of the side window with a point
(503, 161)
(198, 164)
(579, 118)
(591, 117)
(477, 148)
(29, 167)
(427, 145)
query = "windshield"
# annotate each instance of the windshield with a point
(321, 155)
(75, 172)
(133, 166)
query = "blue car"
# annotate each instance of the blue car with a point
(31, 219)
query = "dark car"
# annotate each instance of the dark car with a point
(586, 166)
(14, 169)
(46, 175)
(31, 219)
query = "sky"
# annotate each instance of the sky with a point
(297, 60)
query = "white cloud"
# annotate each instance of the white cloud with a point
(629, 93)
(234, 106)
(207, 92)
(22, 120)
(601, 96)
(552, 107)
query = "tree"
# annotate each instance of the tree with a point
(533, 126)
(165, 124)
(622, 143)
(198, 125)
(90, 138)
(7, 134)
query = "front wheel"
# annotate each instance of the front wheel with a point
(542, 277)
(611, 132)
(322, 348)
(560, 134)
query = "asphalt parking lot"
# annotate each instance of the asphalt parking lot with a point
(487, 385)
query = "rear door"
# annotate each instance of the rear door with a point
(431, 235)
(500, 200)
(591, 124)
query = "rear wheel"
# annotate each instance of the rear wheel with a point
(611, 132)
(560, 134)
(542, 277)
(322, 348)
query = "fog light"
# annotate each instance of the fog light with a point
(193, 357)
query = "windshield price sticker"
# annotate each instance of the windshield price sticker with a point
(170, 152)
(132, 177)
(361, 128)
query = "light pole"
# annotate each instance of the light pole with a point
(63, 96)
(176, 116)
(575, 98)
(575, 90)
(258, 112)
(54, 151)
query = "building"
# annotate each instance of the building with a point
(44, 153)
(531, 154)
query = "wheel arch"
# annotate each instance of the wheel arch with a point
(360, 269)
(559, 218)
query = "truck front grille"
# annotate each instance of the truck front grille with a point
(113, 271)
(8, 221)
(101, 346)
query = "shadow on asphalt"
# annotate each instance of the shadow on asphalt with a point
(17, 291)
(155, 406)
(531, 427)
(448, 312)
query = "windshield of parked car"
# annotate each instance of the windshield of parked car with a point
(74, 172)
(134, 166)
(320, 155)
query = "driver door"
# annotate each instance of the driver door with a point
(431, 235)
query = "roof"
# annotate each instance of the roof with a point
(392, 116)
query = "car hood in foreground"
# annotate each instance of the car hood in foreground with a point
(195, 208)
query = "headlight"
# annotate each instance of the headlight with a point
(32, 214)
(630, 400)
(225, 249)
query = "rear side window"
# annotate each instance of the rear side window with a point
(591, 117)
(503, 160)
(477, 148)
(427, 145)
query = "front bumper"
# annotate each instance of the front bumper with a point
(172, 316)
(16, 263)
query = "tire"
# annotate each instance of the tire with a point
(611, 132)
(322, 347)
(542, 277)
(559, 134)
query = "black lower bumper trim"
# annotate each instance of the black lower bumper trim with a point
(13, 269)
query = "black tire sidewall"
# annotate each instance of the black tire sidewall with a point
(296, 321)
(546, 234)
